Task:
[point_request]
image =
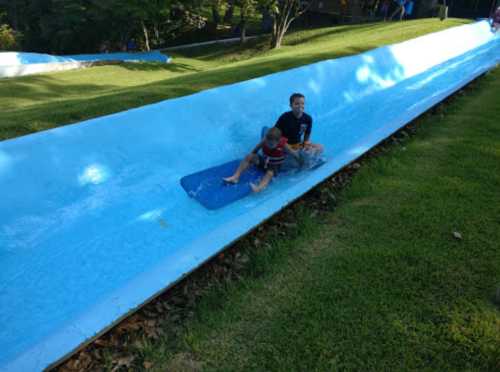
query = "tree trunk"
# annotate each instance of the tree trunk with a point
(156, 30)
(146, 35)
(282, 21)
(281, 24)
(243, 25)
(277, 38)
(243, 35)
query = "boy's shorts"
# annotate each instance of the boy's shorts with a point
(263, 164)
(301, 146)
(296, 146)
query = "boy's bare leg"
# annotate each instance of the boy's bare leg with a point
(263, 182)
(245, 163)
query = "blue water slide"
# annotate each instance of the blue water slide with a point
(94, 221)
(24, 58)
(154, 56)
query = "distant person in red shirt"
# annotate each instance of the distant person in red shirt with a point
(274, 148)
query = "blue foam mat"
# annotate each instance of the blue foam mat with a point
(208, 188)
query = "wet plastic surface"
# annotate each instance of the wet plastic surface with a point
(22, 58)
(212, 192)
(21, 63)
(93, 220)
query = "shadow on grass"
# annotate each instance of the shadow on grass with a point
(253, 47)
(156, 66)
(226, 51)
(41, 87)
(335, 31)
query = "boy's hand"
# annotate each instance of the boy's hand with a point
(306, 145)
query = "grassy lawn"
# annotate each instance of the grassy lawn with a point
(34, 103)
(377, 280)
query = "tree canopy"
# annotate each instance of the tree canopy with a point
(84, 26)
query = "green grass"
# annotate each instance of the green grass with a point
(378, 282)
(34, 103)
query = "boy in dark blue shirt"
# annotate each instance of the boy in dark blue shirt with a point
(296, 126)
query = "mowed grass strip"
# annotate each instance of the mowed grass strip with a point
(379, 283)
(34, 103)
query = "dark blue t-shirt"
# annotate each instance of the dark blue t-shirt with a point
(294, 129)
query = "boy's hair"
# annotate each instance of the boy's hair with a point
(294, 96)
(273, 134)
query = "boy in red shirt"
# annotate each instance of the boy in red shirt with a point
(274, 150)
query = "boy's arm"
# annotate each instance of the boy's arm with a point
(292, 152)
(257, 147)
(279, 123)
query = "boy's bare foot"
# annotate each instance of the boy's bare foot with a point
(254, 187)
(231, 179)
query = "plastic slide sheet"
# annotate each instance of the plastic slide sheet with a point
(155, 56)
(208, 188)
(94, 221)
(21, 63)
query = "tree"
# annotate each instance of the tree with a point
(8, 40)
(28, 17)
(183, 18)
(11, 7)
(284, 12)
(247, 8)
(150, 23)
(79, 26)
(216, 7)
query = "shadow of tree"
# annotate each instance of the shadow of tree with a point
(40, 87)
(154, 66)
(50, 86)
(337, 30)
(226, 51)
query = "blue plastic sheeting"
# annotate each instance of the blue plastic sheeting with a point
(212, 192)
(22, 58)
(208, 188)
(154, 56)
(93, 220)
